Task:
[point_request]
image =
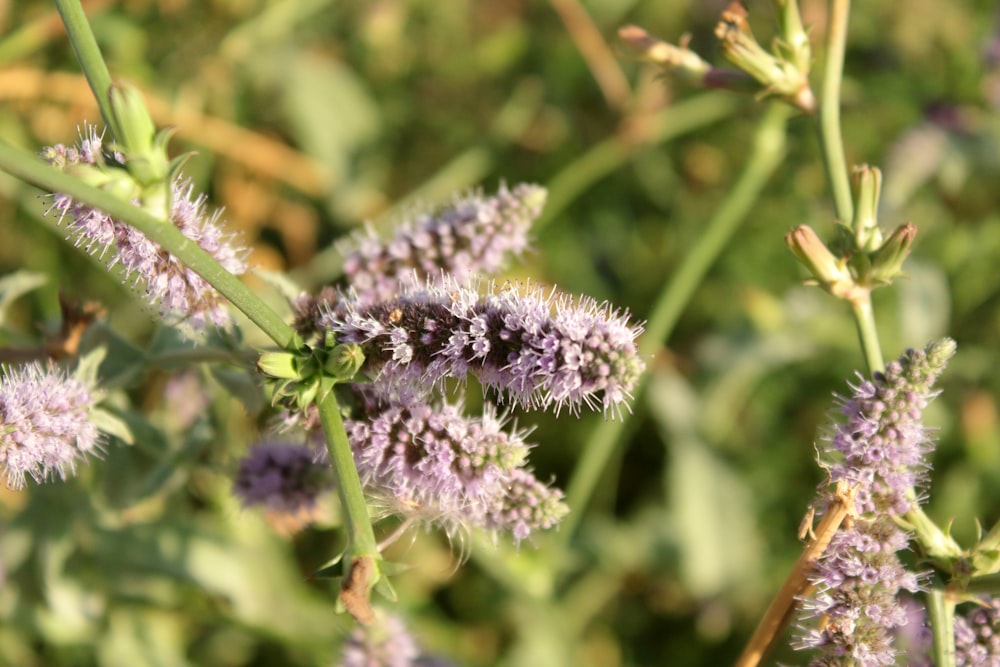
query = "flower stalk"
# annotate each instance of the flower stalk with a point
(32, 170)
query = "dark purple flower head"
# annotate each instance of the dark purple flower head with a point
(472, 236)
(180, 292)
(537, 350)
(880, 450)
(385, 643)
(434, 464)
(283, 477)
(46, 423)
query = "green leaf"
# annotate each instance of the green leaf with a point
(112, 425)
(123, 363)
(15, 285)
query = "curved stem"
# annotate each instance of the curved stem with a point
(768, 152)
(88, 54)
(831, 142)
(33, 170)
(864, 320)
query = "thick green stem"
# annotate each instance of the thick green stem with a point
(89, 55)
(941, 610)
(830, 139)
(33, 170)
(864, 320)
(768, 152)
(352, 497)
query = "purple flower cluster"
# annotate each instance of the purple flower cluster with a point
(385, 643)
(414, 308)
(181, 293)
(281, 476)
(880, 450)
(583, 353)
(45, 423)
(437, 465)
(475, 234)
(977, 635)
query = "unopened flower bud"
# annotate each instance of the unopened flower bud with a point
(866, 183)
(678, 60)
(344, 361)
(830, 272)
(887, 263)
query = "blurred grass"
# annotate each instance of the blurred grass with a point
(310, 117)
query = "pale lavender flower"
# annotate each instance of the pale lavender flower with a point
(284, 477)
(434, 464)
(528, 505)
(880, 450)
(538, 351)
(472, 236)
(977, 635)
(46, 423)
(385, 643)
(180, 292)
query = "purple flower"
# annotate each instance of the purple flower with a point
(283, 477)
(181, 293)
(880, 449)
(977, 634)
(385, 643)
(434, 464)
(583, 353)
(474, 235)
(45, 423)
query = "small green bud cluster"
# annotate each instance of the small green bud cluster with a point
(783, 71)
(861, 259)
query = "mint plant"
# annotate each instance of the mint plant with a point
(392, 401)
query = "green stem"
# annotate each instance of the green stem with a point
(33, 170)
(88, 54)
(864, 320)
(609, 155)
(830, 139)
(767, 153)
(941, 610)
(352, 498)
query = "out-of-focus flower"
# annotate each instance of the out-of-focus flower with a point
(46, 423)
(977, 635)
(539, 351)
(880, 450)
(385, 643)
(181, 293)
(434, 464)
(281, 476)
(472, 236)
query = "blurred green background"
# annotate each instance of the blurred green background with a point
(310, 117)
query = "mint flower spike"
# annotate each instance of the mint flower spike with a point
(538, 351)
(880, 449)
(46, 423)
(435, 465)
(183, 296)
(473, 235)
